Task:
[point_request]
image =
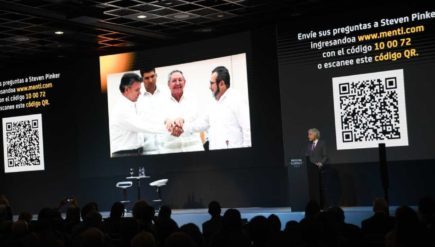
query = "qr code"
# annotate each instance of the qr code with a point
(370, 109)
(23, 143)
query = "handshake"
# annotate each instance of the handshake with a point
(175, 126)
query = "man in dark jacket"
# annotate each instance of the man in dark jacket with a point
(316, 161)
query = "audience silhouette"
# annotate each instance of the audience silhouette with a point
(213, 225)
(82, 227)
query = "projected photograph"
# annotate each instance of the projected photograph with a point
(370, 109)
(195, 106)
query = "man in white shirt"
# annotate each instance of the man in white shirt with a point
(150, 105)
(227, 120)
(126, 127)
(180, 106)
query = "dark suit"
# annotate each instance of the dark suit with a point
(316, 175)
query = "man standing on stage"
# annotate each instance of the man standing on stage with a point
(316, 161)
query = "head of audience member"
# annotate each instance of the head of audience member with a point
(117, 210)
(49, 218)
(5, 209)
(406, 218)
(149, 77)
(259, 230)
(72, 214)
(130, 86)
(219, 81)
(292, 226)
(426, 210)
(380, 205)
(25, 216)
(179, 239)
(143, 239)
(331, 228)
(408, 230)
(336, 215)
(214, 209)
(4, 200)
(165, 212)
(143, 212)
(129, 227)
(193, 231)
(274, 223)
(313, 134)
(232, 220)
(20, 228)
(5, 227)
(294, 233)
(91, 237)
(94, 219)
(45, 214)
(3, 213)
(176, 83)
(88, 208)
(312, 209)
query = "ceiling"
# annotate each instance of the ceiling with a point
(32, 29)
(35, 29)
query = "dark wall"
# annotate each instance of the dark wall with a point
(30, 191)
(358, 184)
(77, 139)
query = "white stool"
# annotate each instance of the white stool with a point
(124, 185)
(158, 184)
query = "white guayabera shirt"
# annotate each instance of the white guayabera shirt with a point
(150, 109)
(227, 122)
(186, 109)
(127, 127)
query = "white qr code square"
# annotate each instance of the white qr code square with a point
(23, 146)
(370, 109)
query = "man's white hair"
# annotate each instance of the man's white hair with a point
(315, 132)
(175, 71)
